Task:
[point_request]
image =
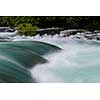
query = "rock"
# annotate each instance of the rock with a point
(49, 31)
(7, 29)
(98, 37)
(11, 30)
(74, 32)
(96, 31)
(90, 37)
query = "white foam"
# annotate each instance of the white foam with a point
(77, 62)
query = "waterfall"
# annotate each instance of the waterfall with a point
(50, 58)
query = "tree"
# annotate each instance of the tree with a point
(27, 29)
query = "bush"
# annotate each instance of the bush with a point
(27, 29)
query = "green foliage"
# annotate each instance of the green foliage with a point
(27, 29)
(14, 21)
(67, 22)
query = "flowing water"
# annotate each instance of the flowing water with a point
(78, 60)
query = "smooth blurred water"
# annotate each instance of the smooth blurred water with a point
(79, 61)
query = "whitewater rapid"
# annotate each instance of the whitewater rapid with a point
(78, 61)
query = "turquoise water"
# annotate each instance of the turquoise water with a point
(50, 59)
(18, 58)
(79, 61)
